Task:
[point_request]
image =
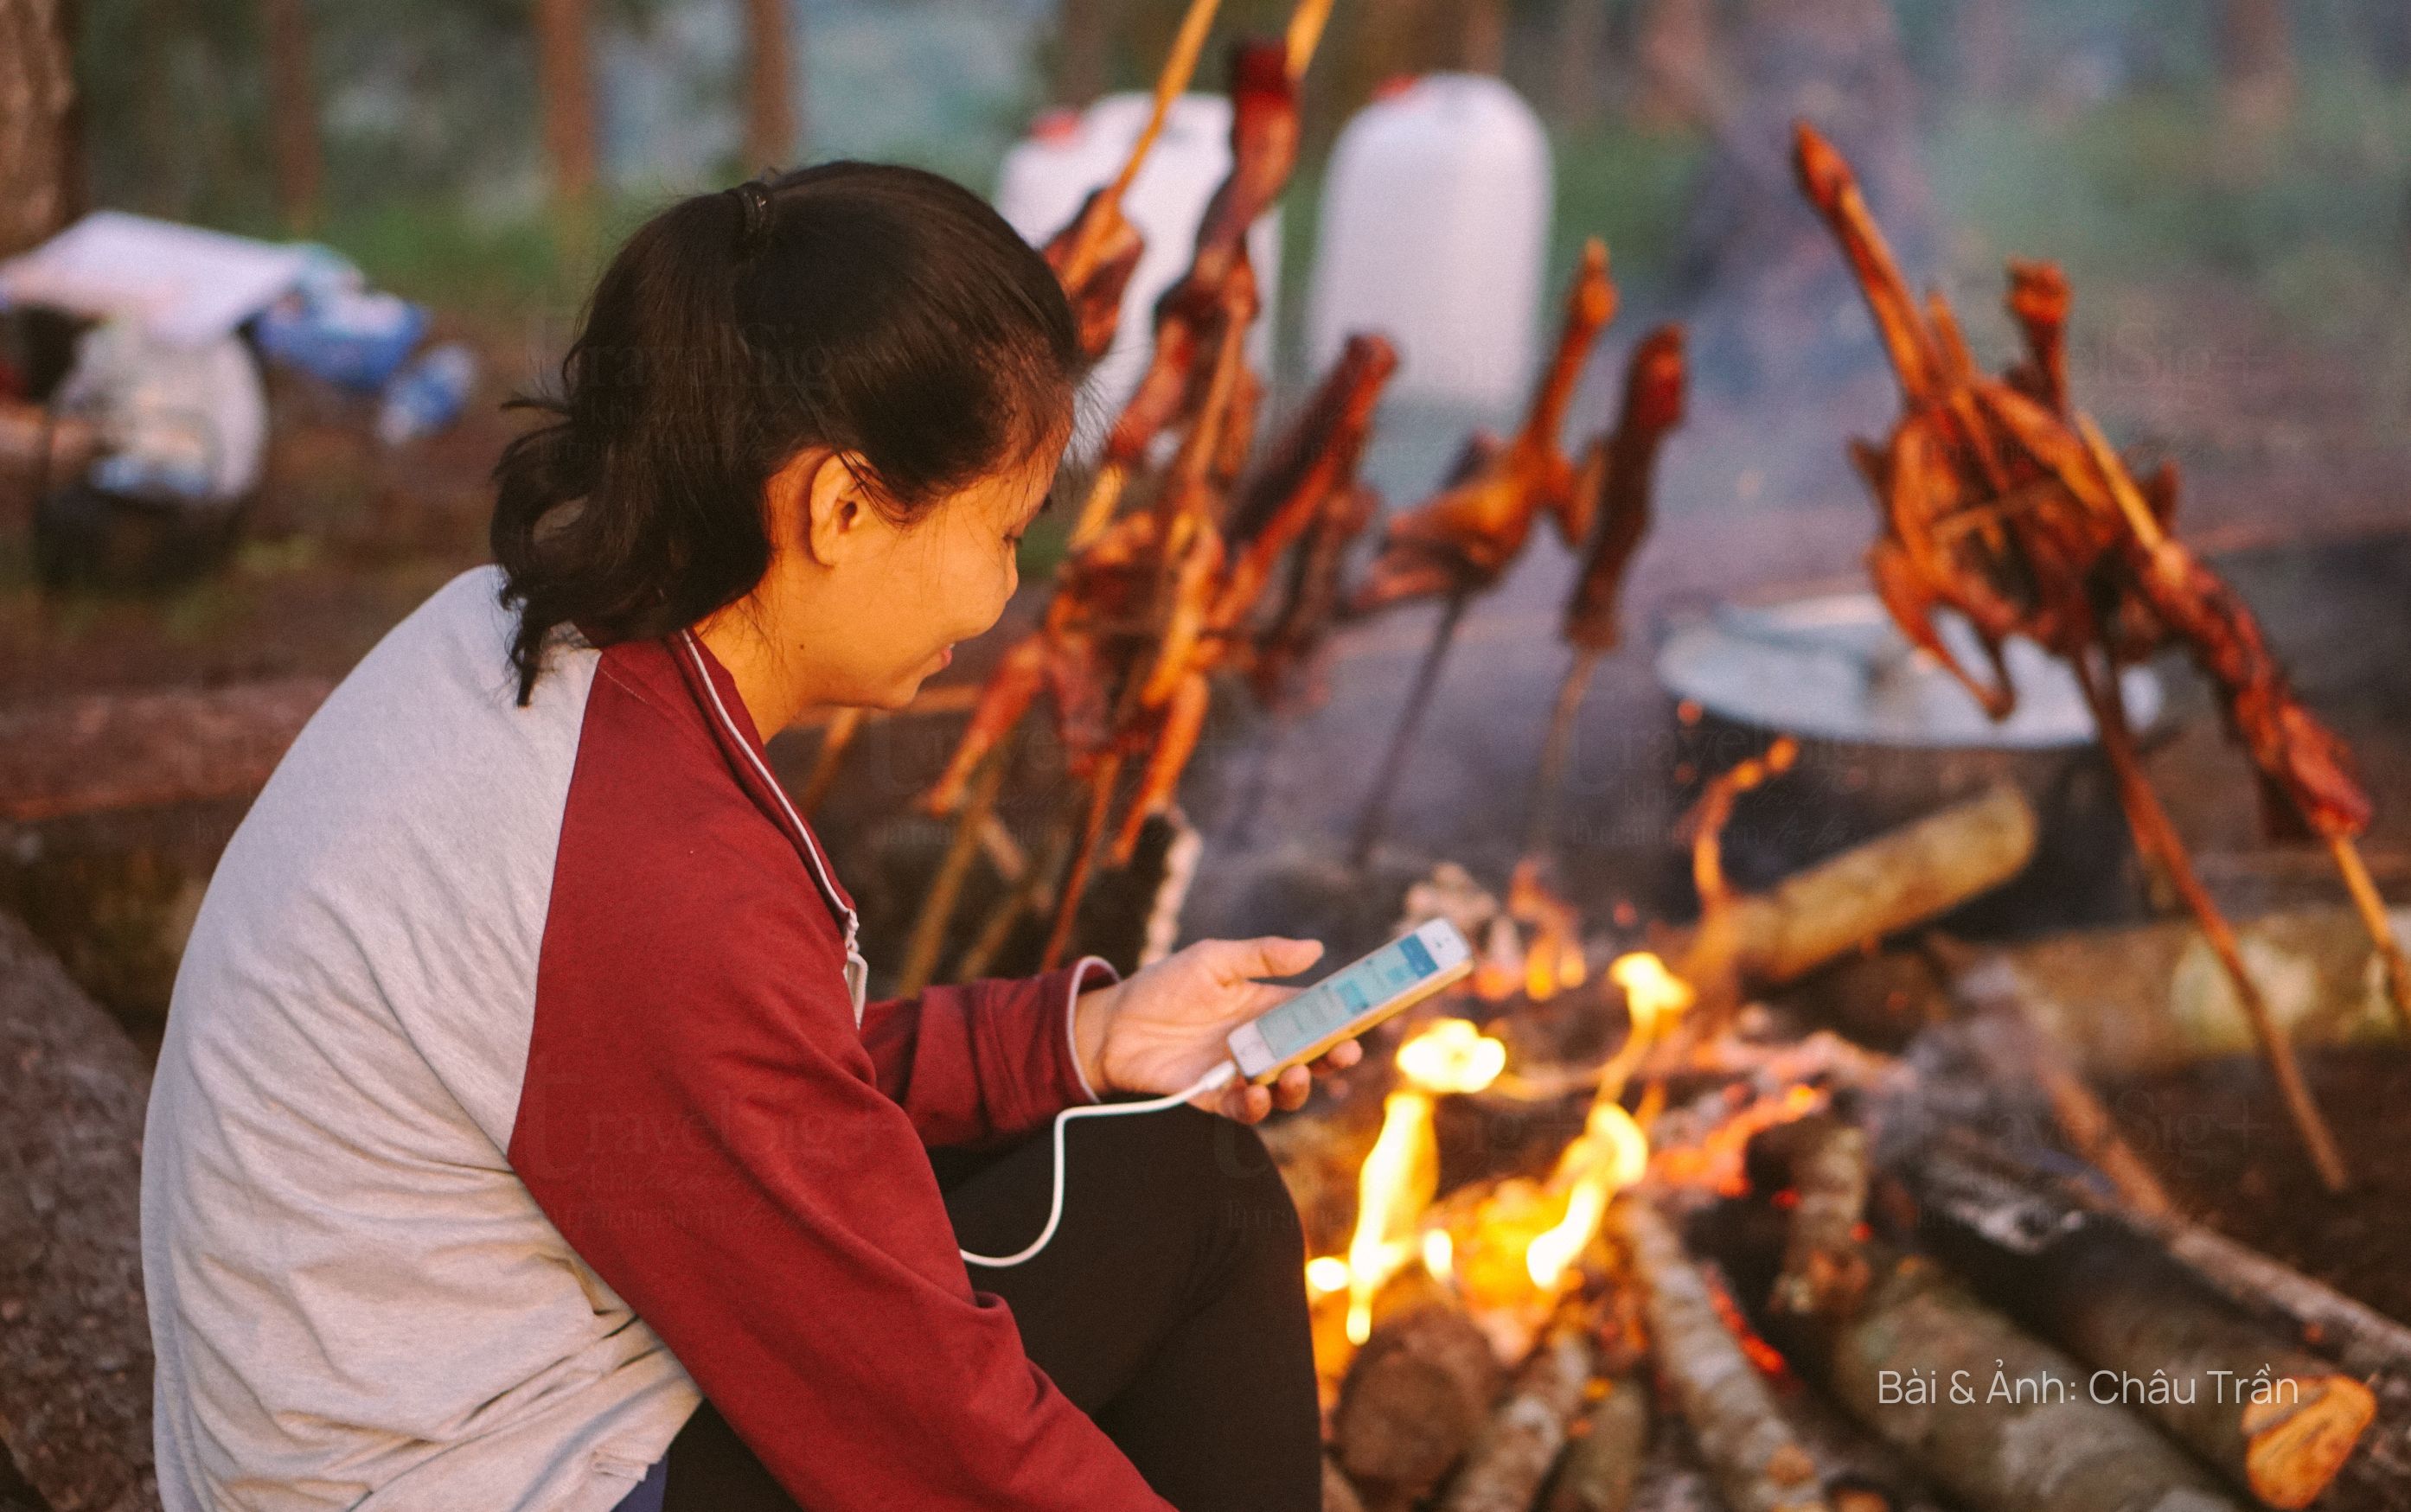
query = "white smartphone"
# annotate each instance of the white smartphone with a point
(1347, 1003)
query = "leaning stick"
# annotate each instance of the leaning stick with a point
(1188, 44)
(1306, 34)
(947, 888)
(2371, 908)
(2366, 901)
(1083, 861)
(2155, 836)
(1031, 892)
(836, 736)
(1375, 818)
(1555, 747)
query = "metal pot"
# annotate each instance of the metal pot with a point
(1885, 737)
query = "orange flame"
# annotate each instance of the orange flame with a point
(1610, 1154)
(1400, 1175)
(1553, 959)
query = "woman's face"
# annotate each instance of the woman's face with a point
(863, 610)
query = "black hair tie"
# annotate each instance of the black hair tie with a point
(754, 196)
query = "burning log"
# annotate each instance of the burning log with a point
(2272, 1417)
(1604, 1460)
(1415, 1398)
(1890, 883)
(1971, 1398)
(1824, 1271)
(1511, 1460)
(1758, 1464)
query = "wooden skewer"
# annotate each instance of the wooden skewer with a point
(1097, 510)
(1179, 67)
(836, 736)
(2362, 888)
(1030, 892)
(2155, 836)
(1083, 861)
(2367, 902)
(947, 888)
(1306, 34)
(1375, 818)
(1553, 749)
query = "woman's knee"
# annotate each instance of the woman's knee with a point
(1215, 1173)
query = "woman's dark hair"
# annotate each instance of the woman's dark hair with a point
(870, 309)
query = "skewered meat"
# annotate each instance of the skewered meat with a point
(1263, 151)
(1283, 667)
(1462, 540)
(1316, 456)
(1094, 255)
(1616, 503)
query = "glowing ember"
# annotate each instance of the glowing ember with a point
(1451, 1057)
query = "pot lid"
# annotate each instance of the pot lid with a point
(1835, 667)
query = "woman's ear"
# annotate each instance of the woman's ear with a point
(819, 502)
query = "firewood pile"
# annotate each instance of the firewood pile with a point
(1797, 1273)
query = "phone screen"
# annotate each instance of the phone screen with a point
(1321, 1011)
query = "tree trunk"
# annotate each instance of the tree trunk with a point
(1750, 1448)
(1485, 37)
(1083, 50)
(769, 86)
(1676, 50)
(292, 113)
(2256, 58)
(1582, 37)
(566, 79)
(75, 1353)
(37, 102)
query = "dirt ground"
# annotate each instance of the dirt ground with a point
(2216, 1136)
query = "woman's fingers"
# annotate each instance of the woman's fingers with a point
(1247, 1102)
(1345, 1054)
(1267, 955)
(1295, 1086)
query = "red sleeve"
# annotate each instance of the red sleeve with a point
(985, 1060)
(702, 1120)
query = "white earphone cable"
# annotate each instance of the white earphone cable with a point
(1213, 1081)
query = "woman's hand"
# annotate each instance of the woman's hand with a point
(1167, 1025)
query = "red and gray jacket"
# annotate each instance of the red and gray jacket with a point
(513, 1091)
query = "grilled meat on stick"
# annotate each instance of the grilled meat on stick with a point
(1182, 547)
(1094, 254)
(1263, 152)
(1994, 507)
(1612, 505)
(2308, 781)
(1463, 540)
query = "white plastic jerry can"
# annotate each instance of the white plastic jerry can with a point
(1067, 156)
(1434, 232)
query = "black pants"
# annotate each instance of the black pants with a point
(1170, 1307)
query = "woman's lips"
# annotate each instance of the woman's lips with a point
(946, 657)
